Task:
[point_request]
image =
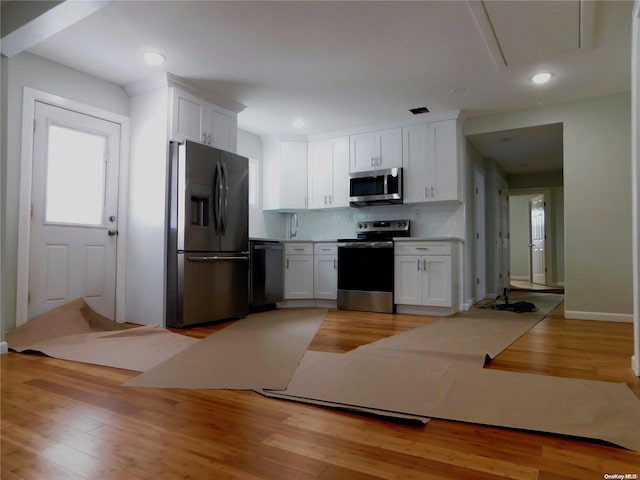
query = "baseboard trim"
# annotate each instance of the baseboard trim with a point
(4, 348)
(600, 316)
(421, 310)
(635, 365)
(307, 303)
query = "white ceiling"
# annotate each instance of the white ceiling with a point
(343, 65)
(523, 150)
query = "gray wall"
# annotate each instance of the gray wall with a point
(27, 70)
(597, 196)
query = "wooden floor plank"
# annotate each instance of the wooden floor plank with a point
(71, 420)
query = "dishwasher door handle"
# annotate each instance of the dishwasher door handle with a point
(267, 247)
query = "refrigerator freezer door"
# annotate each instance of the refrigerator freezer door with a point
(235, 217)
(211, 286)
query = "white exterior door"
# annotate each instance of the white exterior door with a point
(538, 237)
(73, 237)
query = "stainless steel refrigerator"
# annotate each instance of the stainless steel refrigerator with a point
(208, 236)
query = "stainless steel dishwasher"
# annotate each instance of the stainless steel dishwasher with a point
(266, 275)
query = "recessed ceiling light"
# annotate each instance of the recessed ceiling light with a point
(298, 123)
(153, 58)
(541, 78)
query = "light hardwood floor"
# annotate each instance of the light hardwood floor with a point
(66, 420)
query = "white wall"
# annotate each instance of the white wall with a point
(635, 142)
(597, 193)
(32, 71)
(3, 174)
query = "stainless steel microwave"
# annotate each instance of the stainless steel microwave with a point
(377, 187)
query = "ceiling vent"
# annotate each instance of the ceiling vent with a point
(419, 110)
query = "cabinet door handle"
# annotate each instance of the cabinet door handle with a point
(424, 264)
(372, 161)
(287, 264)
(418, 265)
(209, 139)
(335, 264)
(432, 190)
(426, 192)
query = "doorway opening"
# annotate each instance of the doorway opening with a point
(526, 162)
(536, 219)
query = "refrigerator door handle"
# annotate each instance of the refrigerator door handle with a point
(225, 188)
(214, 258)
(217, 198)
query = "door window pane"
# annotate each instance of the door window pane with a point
(76, 177)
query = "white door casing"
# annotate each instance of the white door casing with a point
(538, 240)
(74, 210)
(506, 239)
(30, 99)
(480, 235)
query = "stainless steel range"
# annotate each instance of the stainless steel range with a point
(365, 266)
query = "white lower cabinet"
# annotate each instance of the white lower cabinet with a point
(325, 271)
(298, 270)
(423, 274)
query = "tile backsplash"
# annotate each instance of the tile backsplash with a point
(426, 220)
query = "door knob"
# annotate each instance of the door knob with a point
(112, 233)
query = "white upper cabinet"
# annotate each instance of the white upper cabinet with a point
(329, 173)
(376, 150)
(285, 174)
(199, 121)
(432, 162)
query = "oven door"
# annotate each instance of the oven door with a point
(365, 276)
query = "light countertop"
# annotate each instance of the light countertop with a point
(446, 238)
